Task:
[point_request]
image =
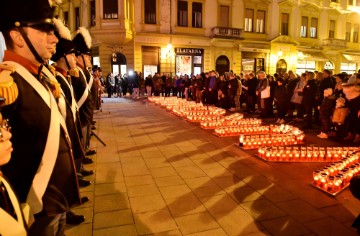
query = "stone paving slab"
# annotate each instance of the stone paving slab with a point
(161, 175)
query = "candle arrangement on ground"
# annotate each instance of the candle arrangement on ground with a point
(237, 130)
(192, 111)
(228, 122)
(304, 154)
(272, 135)
(257, 141)
(334, 178)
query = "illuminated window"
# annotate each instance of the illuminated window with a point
(303, 27)
(348, 32)
(260, 22)
(285, 24)
(313, 27)
(182, 13)
(356, 33)
(197, 14)
(249, 18)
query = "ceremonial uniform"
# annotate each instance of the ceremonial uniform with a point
(12, 221)
(30, 118)
(41, 170)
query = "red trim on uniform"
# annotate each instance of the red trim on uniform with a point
(29, 65)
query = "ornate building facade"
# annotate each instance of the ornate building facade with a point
(192, 36)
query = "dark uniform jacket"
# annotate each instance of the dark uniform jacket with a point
(86, 110)
(72, 125)
(30, 120)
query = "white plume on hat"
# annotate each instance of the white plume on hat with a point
(87, 37)
(64, 31)
(55, 2)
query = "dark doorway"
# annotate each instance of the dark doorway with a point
(222, 65)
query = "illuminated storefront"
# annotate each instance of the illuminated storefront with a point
(189, 61)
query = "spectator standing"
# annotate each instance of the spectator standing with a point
(326, 110)
(280, 98)
(297, 97)
(212, 89)
(149, 85)
(309, 93)
(263, 93)
(250, 88)
(352, 93)
(233, 89)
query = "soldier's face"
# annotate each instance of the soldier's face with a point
(43, 42)
(87, 60)
(72, 60)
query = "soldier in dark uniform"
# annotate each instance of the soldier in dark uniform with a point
(42, 169)
(65, 66)
(11, 213)
(83, 85)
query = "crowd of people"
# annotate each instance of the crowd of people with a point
(320, 98)
(50, 111)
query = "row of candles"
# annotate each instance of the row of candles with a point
(258, 141)
(237, 130)
(230, 123)
(304, 154)
(335, 177)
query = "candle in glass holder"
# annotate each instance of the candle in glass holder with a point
(323, 181)
(316, 177)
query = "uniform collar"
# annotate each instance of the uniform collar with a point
(62, 71)
(29, 65)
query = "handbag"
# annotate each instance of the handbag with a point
(266, 92)
(296, 98)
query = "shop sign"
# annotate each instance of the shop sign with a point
(189, 51)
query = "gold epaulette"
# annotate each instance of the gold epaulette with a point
(52, 70)
(8, 88)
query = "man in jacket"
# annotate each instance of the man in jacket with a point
(211, 85)
(42, 169)
(308, 101)
(263, 93)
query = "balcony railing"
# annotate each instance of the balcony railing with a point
(337, 43)
(229, 33)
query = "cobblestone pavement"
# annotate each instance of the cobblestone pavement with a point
(159, 174)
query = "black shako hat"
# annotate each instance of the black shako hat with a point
(65, 45)
(82, 41)
(37, 14)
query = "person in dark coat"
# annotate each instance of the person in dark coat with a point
(326, 110)
(250, 88)
(290, 86)
(309, 93)
(149, 85)
(326, 82)
(352, 93)
(211, 85)
(280, 98)
(233, 87)
(223, 95)
(41, 169)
